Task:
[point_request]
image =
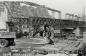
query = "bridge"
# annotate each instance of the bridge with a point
(31, 14)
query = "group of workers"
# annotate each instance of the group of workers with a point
(46, 32)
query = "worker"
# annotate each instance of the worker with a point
(40, 31)
(48, 32)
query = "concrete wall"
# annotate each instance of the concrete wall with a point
(3, 16)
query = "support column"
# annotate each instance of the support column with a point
(77, 31)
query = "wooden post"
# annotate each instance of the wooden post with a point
(5, 51)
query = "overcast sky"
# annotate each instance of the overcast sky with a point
(66, 6)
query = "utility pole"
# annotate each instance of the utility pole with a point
(83, 12)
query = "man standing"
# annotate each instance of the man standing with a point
(48, 31)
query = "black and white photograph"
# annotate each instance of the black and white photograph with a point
(42, 27)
